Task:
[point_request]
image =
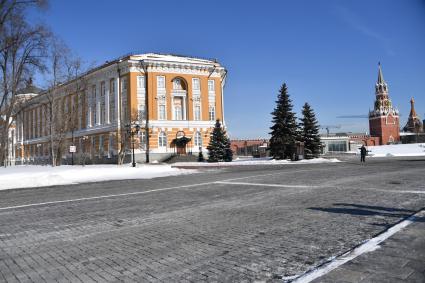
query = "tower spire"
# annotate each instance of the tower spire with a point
(381, 87)
(412, 108)
(380, 75)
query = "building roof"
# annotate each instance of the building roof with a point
(173, 58)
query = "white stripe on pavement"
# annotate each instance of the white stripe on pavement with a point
(104, 196)
(368, 246)
(395, 191)
(265, 185)
(135, 193)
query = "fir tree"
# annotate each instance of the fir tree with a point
(284, 130)
(218, 145)
(228, 154)
(309, 130)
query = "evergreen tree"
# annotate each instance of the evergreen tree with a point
(284, 130)
(309, 130)
(217, 148)
(228, 154)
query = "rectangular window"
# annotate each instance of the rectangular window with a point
(160, 82)
(100, 146)
(195, 84)
(112, 100)
(140, 82)
(197, 113)
(124, 101)
(34, 135)
(102, 102)
(178, 108)
(212, 113)
(162, 139)
(40, 121)
(211, 86)
(80, 110)
(141, 112)
(94, 104)
(161, 112)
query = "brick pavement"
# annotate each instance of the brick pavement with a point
(401, 258)
(214, 233)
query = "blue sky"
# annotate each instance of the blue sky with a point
(326, 51)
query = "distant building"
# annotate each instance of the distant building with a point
(249, 147)
(384, 121)
(414, 123)
(335, 143)
(413, 131)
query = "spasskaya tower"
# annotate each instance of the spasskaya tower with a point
(384, 120)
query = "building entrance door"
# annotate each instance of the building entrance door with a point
(181, 149)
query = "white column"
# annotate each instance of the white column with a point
(107, 102)
(173, 117)
(117, 101)
(184, 108)
(98, 95)
(89, 109)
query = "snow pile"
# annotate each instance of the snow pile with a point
(413, 149)
(253, 161)
(38, 176)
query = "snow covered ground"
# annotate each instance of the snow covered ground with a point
(413, 149)
(37, 176)
(254, 161)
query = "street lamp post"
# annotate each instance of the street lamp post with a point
(132, 129)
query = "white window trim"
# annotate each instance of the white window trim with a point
(196, 90)
(157, 84)
(209, 113)
(195, 139)
(213, 86)
(165, 111)
(138, 85)
(159, 139)
(194, 112)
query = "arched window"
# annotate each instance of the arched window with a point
(162, 139)
(177, 84)
(198, 139)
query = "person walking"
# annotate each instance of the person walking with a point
(363, 154)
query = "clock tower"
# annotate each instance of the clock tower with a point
(384, 120)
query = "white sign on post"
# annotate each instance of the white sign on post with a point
(72, 148)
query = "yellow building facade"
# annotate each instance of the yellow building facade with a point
(174, 101)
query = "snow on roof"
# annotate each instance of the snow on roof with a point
(174, 58)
